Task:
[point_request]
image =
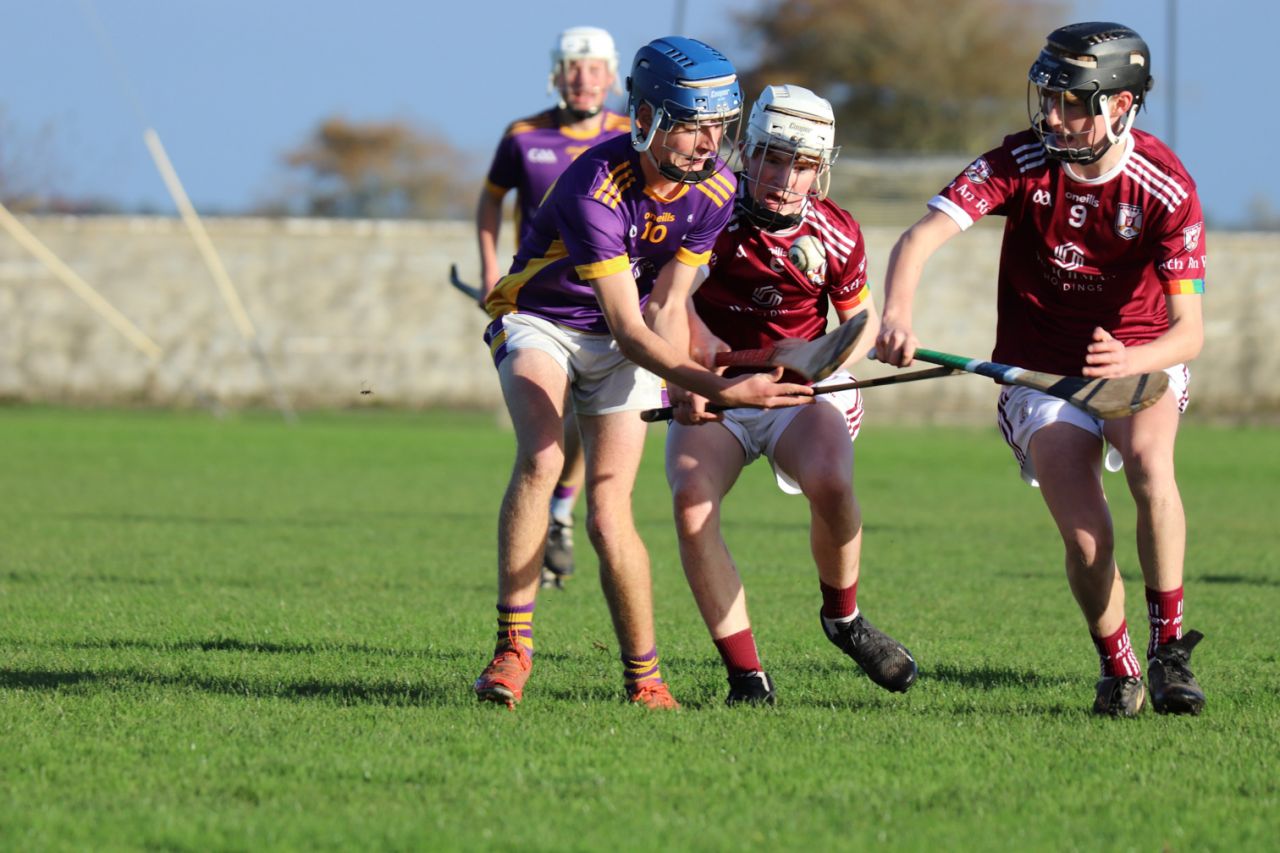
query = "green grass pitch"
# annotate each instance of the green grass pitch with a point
(243, 635)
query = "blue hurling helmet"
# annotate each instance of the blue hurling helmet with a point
(684, 81)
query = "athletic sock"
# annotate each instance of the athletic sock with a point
(738, 651)
(642, 670)
(1115, 653)
(839, 605)
(562, 501)
(515, 625)
(1164, 611)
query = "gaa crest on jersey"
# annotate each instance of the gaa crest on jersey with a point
(978, 171)
(1128, 220)
(1191, 236)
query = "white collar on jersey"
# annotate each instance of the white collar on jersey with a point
(1110, 173)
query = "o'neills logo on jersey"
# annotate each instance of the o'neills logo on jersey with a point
(1128, 220)
(978, 171)
(1069, 256)
(767, 296)
(1191, 236)
(541, 155)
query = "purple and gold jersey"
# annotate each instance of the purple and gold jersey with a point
(601, 218)
(532, 154)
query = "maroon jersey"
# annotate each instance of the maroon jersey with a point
(755, 295)
(1079, 254)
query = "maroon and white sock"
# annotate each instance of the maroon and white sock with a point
(738, 651)
(1115, 653)
(1164, 610)
(839, 605)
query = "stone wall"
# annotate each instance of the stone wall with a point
(343, 307)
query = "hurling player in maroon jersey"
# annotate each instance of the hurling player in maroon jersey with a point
(532, 154)
(1101, 275)
(755, 296)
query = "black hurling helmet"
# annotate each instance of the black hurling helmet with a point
(1090, 61)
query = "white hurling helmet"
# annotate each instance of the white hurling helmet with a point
(583, 43)
(794, 120)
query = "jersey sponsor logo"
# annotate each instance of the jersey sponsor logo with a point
(1129, 220)
(541, 155)
(767, 296)
(1069, 256)
(979, 170)
(1042, 197)
(1191, 236)
(1087, 198)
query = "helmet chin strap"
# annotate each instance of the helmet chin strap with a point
(579, 115)
(762, 216)
(672, 172)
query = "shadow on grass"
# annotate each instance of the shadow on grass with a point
(479, 655)
(325, 520)
(353, 692)
(994, 678)
(1241, 580)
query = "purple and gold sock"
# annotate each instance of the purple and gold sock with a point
(642, 670)
(562, 501)
(515, 625)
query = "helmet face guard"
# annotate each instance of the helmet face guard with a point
(790, 129)
(1087, 64)
(574, 45)
(689, 88)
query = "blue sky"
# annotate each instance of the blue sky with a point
(231, 84)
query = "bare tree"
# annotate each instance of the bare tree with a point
(908, 75)
(377, 169)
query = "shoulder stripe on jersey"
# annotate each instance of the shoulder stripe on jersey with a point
(828, 244)
(840, 237)
(616, 122)
(1029, 156)
(1159, 185)
(613, 184)
(723, 180)
(1159, 192)
(717, 195)
(1159, 176)
(525, 125)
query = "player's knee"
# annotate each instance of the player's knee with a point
(828, 488)
(694, 510)
(1090, 550)
(540, 464)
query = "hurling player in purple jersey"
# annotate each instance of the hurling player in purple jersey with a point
(593, 301)
(755, 296)
(532, 154)
(1101, 275)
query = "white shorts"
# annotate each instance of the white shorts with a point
(1021, 412)
(601, 379)
(758, 430)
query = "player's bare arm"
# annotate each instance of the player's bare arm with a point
(488, 223)
(896, 343)
(620, 303)
(1109, 358)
